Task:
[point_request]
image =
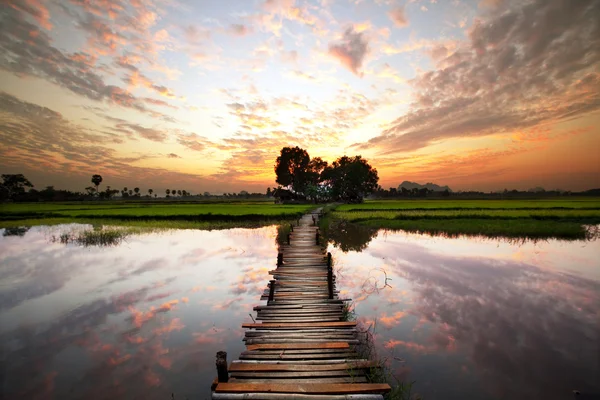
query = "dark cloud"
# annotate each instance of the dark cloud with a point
(520, 68)
(66, 154)
(351, 50)
(173, 155)
(27, 51)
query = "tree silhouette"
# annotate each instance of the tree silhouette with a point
(179, 192)
(14, 184)
(96, 180)
(137, 191)
(130, 192)
(291, 168)
(351, 179)
(150, 191)
(167, 192)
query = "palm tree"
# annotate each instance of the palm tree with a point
(150, 192)
(130, 192)
(179, 192)
(96, 180)
(174, 192)
(137, 191)
(167, 192)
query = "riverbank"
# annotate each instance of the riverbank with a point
(149, 214)
(530, 219)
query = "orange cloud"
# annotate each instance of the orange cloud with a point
(392, 343)
(392, 320)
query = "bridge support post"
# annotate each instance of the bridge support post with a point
(279, 259)
(222, 373)
(288, 238)
(317, 238)
(329, 275)
(271, 290)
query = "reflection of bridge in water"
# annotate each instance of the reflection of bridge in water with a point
(303, 348)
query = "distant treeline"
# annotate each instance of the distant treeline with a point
(393, 193)
(17, 187)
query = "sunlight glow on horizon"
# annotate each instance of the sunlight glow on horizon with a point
(148, 93)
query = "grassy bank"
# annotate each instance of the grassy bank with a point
(531, 219)
(151, 214)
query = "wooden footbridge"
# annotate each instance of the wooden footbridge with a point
(302, 348)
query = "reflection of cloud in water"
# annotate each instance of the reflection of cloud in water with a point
(531, 331)
(127, 321)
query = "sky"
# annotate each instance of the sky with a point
(202, 95)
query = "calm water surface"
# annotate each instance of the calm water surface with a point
(464, 318)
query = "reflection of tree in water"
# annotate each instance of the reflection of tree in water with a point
(350, 237)
(16, 231)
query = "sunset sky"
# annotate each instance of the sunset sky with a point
(201, 95)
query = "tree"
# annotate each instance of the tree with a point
(150, 191)
(167, 192)
(90, 190)
(292, 167)
(316, 166)
(96, 180)
(268, 192)
(174, 192)
(350, 179)
(179, 193)
(130, 192)
(137, 191)
(14, 184)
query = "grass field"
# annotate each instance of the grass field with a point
(150, 214)
(539, 219)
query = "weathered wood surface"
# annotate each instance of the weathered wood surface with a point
(299, 347)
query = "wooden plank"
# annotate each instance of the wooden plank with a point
(298, 346)
(285, 356)
(255, 367)
(293, 396)
(307, 325)
(299, 374)
(307, 388)
(340, 379)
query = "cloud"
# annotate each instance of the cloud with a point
(239, 30)
(152, 134)
(30, 53)
(506, 77)
(173, 155)
(351, 50)
(193, 141)
(36, 8)
(533, 330)
(398, 17)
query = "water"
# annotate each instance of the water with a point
(464, 318)
(140, 320)
(479, 318)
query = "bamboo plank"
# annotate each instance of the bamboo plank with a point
(299, 346)
(312, 388)
(341, 324)
(264, 367)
